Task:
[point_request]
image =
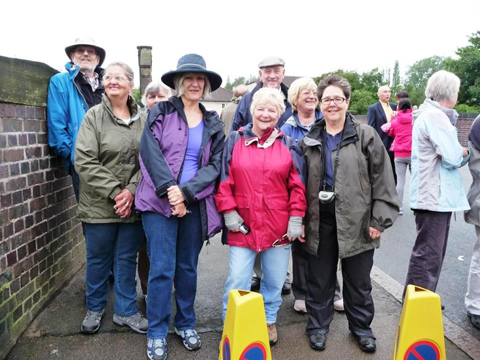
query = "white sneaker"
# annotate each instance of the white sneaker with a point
(400, 212)
(338, 305)
(300, 307)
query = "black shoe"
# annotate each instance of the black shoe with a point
(366, 343)
(442, 307)
(255, 284)
(475, 320)
(318, 341)
(287, 287)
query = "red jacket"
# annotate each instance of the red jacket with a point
(401, 129)
(265, 184)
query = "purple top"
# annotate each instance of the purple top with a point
(190, 164)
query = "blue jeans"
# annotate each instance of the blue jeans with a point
(114, 244)
(173, 246)
(274, 270)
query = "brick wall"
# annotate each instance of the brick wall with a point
(41, 242)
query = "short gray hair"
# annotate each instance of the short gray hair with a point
(178, 81)
(296, 88)
(268, 95)
(155, 88)
(442, 85)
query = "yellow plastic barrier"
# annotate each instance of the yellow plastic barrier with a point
(420, 331)
(245, 334)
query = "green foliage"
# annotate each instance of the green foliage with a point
(466, 109)
(467, 68)
(137, 96)
(361, 100)
(352, 77)
(229, 85)
(371, 81)
(396, 83)
(417, 76)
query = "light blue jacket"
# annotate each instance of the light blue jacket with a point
(436, 183)
(66, 108)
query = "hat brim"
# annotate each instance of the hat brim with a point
(100, 52)
(214, 79)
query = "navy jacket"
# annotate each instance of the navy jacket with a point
(376, 118)
(243, 116)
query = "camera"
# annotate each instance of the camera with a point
(244, 229)
(326, 197)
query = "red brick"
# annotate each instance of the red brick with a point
(31, 126)
(19, 225)
(22, 140)
(33, 152)
(16, 184)
(11, 155)
(12, 140)
(11, 125)
(36, 178)
(22, 252)
(12, 258)
(37, 204)
(6, 200)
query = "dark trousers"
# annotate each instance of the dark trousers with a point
(391, 156)
(357, 286)
(300, 279)
(143, 266)
(75, 182)
(429, 250)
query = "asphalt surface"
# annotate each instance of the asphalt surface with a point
(55, 334)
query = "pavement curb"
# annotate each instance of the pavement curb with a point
(462, 339)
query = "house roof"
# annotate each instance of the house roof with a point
(221, 95)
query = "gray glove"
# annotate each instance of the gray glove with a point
(294, 226)
(232, 220)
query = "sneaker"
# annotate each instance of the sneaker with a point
(255, 284)
(287, 287)
(190, 338)
(475, 320)
(272, 334)
(91, 323)
(157, 349)
(338, 305)
(136, 322)
(400, 212)
(300, 307)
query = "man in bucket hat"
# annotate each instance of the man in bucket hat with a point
(70, 95)
(271, 73)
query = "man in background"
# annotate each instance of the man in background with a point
(70, 95)
(228, 111)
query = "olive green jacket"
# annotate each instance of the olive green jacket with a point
(106, 160)
(364, 187)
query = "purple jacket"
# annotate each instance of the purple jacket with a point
(162, 152)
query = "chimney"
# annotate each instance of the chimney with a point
(145, 64)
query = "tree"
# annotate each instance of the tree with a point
(137, 96)
(229, 85)
(467, 68)
(360, 100)
(352, 77)
(418, 74)
(371, 81)
(396, 85)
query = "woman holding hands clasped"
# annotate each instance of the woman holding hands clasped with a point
(351, 200)
(180, 151)
(262, 198)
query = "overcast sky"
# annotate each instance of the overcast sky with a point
(313, 36)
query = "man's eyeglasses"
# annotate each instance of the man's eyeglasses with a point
(336, 100)
(82, 50)
(119, 78)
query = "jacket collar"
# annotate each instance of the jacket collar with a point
(313, 138)
(135, 111)
(211, 120)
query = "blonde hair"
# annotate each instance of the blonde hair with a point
(178, 81)
(297, 87)
(268, 95)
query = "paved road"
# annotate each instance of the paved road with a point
(394, 254)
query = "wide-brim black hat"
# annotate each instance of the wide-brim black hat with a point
(88, 42)
(192, 63)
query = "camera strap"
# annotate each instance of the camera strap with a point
(335, 162)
